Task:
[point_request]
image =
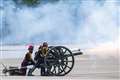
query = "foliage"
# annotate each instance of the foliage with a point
(31, 2)
(34, 2)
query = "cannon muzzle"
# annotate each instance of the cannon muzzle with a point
(77, 52)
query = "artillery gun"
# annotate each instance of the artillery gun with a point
(59, 61)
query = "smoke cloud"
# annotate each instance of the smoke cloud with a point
(66, 21)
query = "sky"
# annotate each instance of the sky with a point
(89, 22)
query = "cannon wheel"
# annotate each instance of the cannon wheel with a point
(61, 60)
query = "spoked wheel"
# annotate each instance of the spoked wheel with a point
(61, 60)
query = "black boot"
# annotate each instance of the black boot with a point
(31, 71)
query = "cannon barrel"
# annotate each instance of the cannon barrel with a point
(75, 53)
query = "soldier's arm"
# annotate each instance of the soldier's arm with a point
(36, 56)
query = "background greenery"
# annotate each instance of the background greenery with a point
(33, 2)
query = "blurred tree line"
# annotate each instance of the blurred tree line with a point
(33, 2)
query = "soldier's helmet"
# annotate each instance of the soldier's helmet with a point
(45, 44)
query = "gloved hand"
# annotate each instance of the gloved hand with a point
(30, 66)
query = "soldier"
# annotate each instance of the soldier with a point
(44, 51)
(40, 59)
(27, 60)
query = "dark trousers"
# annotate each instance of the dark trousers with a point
(43, 72)
(39, 64)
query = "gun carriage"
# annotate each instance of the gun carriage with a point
(59, 61)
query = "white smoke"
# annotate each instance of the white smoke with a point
(79, 21)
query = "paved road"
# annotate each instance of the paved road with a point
(87, 67)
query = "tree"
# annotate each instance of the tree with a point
(27, 2)
(31, 2)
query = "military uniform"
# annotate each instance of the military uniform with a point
(40, 59)
(27, 61)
